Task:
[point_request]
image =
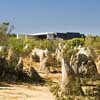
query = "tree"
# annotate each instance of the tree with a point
(3, 31)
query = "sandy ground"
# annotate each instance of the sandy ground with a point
(29, 92)
(24, 92)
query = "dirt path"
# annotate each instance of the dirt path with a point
(24, 92)
(28, 92)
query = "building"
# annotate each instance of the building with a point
(52, 35)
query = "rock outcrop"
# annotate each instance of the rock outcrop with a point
(83, 64)
(98, 64)
(70, 81)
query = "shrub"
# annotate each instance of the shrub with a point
(75, 42)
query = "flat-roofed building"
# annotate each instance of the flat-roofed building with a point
(52, 35)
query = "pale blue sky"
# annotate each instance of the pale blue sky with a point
(52, 15)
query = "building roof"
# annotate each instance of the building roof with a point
(42, 33)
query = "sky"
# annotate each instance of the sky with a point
(52, 15)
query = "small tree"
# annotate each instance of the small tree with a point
(3, 30)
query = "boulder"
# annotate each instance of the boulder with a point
(83, 64)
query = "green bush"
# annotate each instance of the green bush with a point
(75, 42)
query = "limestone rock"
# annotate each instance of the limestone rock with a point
(83, 64)
(98, 64)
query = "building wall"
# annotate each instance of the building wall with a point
(50, 36)
(66, 36)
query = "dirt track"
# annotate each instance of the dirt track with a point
(27, 91)
(24, 92)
